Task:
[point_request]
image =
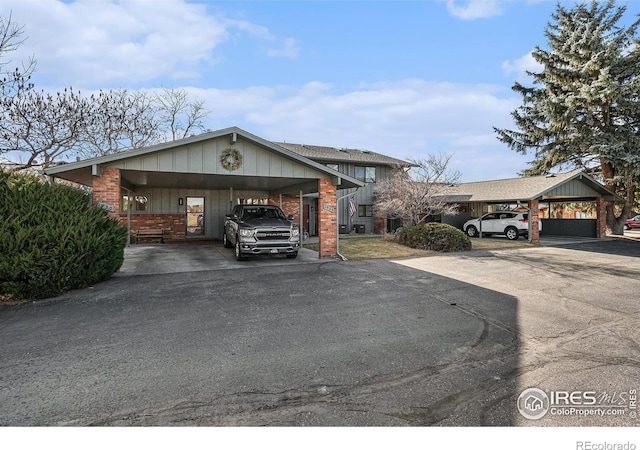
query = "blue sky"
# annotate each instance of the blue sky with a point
(403, 78)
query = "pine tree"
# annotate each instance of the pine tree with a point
(583, 109)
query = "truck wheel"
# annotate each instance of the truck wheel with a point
(239, 255)
(292, 255)
(225, 241)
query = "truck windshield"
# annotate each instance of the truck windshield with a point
(262, 212)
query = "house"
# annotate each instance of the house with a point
(186, 187)
(366, 166)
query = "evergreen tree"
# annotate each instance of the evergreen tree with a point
(583, 108)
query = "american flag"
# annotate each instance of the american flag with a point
(352, 206)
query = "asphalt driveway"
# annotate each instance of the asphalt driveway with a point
(444, 340)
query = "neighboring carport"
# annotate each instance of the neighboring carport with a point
(186, 187)
(532, 193)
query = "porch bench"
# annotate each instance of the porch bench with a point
(153, 233)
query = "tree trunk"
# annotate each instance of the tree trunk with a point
(616, 224)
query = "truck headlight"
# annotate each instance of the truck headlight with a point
(247, 232)
(295, 232)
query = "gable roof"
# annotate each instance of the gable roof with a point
(543, 187)
(81, 171)
(332, 154)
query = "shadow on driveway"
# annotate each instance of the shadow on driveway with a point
(367, 343)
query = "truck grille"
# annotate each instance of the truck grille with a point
(265, 235)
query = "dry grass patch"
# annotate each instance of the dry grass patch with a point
(494, 243)
(378, 247)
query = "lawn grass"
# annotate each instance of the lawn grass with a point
(379, 247)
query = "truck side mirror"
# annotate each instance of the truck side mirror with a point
(290, 217)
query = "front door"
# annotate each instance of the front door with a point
(195, 216)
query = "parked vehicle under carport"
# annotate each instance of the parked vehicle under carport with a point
(260, 229)
(512, 224)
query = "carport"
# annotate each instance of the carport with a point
(540, 195)
(186, 187)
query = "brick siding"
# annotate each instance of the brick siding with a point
(327, 218)
(173, 224)
(534, 219)
(106, 190)
(601, 218)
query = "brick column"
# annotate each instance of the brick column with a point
(601, 218)
(534, 217)
(290, 205)
(106, 190)
(327, 218)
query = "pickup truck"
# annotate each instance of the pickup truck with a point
(260, 229)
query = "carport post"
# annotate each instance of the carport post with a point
(300, 213)
(529, 225)
(534, 233)
(128, 217)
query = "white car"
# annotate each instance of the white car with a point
(512, 224)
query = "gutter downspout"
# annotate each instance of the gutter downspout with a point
(338, 224)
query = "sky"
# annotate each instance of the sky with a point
(403, 78)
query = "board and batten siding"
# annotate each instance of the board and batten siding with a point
(363, 196)
(572, 189)
(204, 157)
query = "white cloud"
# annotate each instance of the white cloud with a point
(409, 118)
(520, 66)
(90, 42)
(98, 43)
(474, 9)
(289, 49)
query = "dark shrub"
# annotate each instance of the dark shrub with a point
(52, 240)
(435, 236)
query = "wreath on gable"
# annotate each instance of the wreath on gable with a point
(231, 159)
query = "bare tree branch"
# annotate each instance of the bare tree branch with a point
(180, 115)
(419, 191)
(42, 127)
(11, 37)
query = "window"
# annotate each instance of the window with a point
(140, 203)
(335, 167)
(253, 201)
(366, 174)
(365, 210)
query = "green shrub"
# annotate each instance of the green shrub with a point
(52, 240)
(439, 237)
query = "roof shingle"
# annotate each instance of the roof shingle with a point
(330, 154)
(516, 189)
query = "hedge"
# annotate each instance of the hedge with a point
(435, 236)
(52, 240)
